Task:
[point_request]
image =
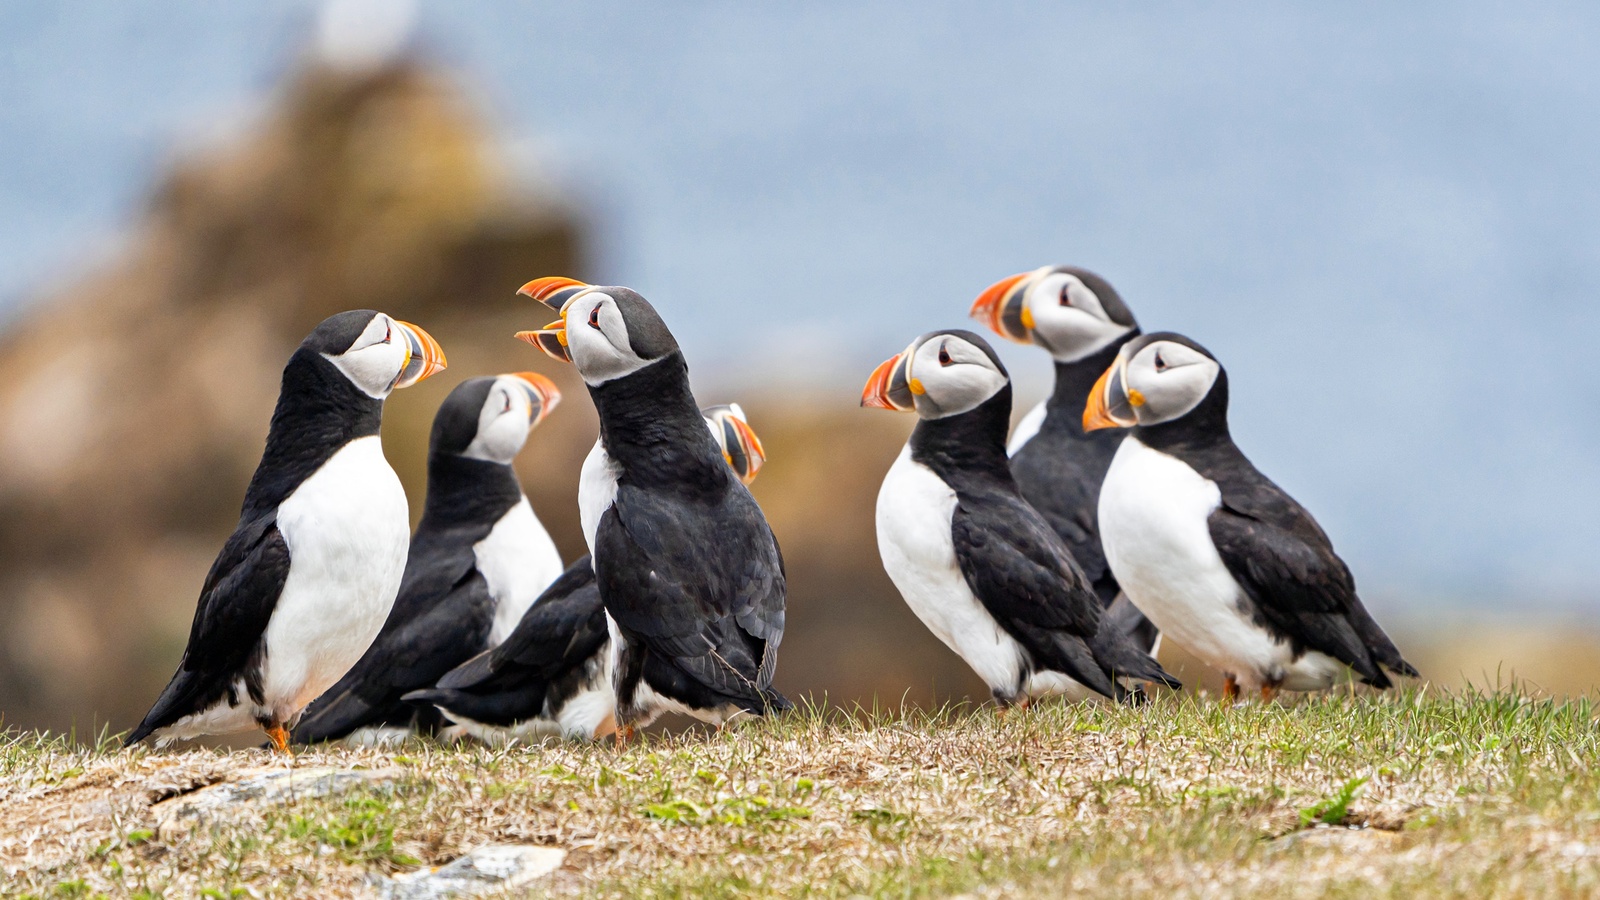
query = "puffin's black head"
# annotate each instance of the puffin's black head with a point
(942, 373)
(607, 332)
(738, 441)
(1071, 312)
(377, 352)
(1157, 378)
(490, 418)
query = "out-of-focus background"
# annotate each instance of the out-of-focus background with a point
(1384, 218)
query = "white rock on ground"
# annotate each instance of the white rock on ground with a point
(492, 867)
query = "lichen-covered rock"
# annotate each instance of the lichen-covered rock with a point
(254, 791)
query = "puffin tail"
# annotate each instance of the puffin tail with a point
(144, 730)
(774, 702)
(1118, 654)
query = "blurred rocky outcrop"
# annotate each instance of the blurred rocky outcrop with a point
(134, 399)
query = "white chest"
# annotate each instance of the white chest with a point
(518, 561)
(347, 528)
(914, 511)
(1154, 512)
(597, 489)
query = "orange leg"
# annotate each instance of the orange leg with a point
(623, 735)
(1230, 689)
(1268, 693)
(1020, 705)
(279, 736)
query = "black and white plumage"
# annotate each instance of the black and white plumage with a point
(478, 560)
(977, 564)
(308, 576)
(552, 676)
(1082, 322)
(687, 567)
(1219, 557)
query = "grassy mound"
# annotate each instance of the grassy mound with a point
(1415, 793)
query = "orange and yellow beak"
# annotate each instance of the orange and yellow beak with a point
(543, 393)
(553, 291)
(891, 386)
(740, 446)
(424, 356)
(1004, 309)
(1111, 404)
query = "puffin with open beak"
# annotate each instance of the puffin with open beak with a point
(1082, 322)
(478, 560)
(978, 565)
(685, 563)
(552, 676)
(306, 580)
(1219, 557)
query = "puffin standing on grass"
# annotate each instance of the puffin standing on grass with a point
(550, 678)
(687, 568)
(978, 565)
(310, 573)
(1219, 557)
(478, 560)
(1081, 321)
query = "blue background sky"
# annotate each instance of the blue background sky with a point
(1383, 218)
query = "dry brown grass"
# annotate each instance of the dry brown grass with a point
(1477, 794)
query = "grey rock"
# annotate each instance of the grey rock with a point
(492, 867)
(256, 789)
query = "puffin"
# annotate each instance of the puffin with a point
(1082, 322)
(478, 560)
(688, 569)
(981, 568)
(309, 574)
(551, 677)
(1218, 556)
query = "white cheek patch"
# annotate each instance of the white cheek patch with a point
(373, 369)
(1172, 393)
(956, 388)
(1072, 332)
(500, 439)
(502, 431)
(596, 351)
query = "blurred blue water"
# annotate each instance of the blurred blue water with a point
(1384, 218)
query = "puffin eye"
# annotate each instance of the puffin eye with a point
(388, 332)
(944, 357)
(507, 407)
(1161, 364)
(594, 317)
(1066, 300)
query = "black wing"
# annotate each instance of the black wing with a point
(543, 642)
(1059, 474)
(1021, 572)
(563, 630)
(699, 584)
(407, 655)
(236, 602)
(1295, 582)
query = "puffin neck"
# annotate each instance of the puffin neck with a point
(969, 442)
(650, 425)
(1203, 428)
(1074, 381)
(319, 411)
(462, 489)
